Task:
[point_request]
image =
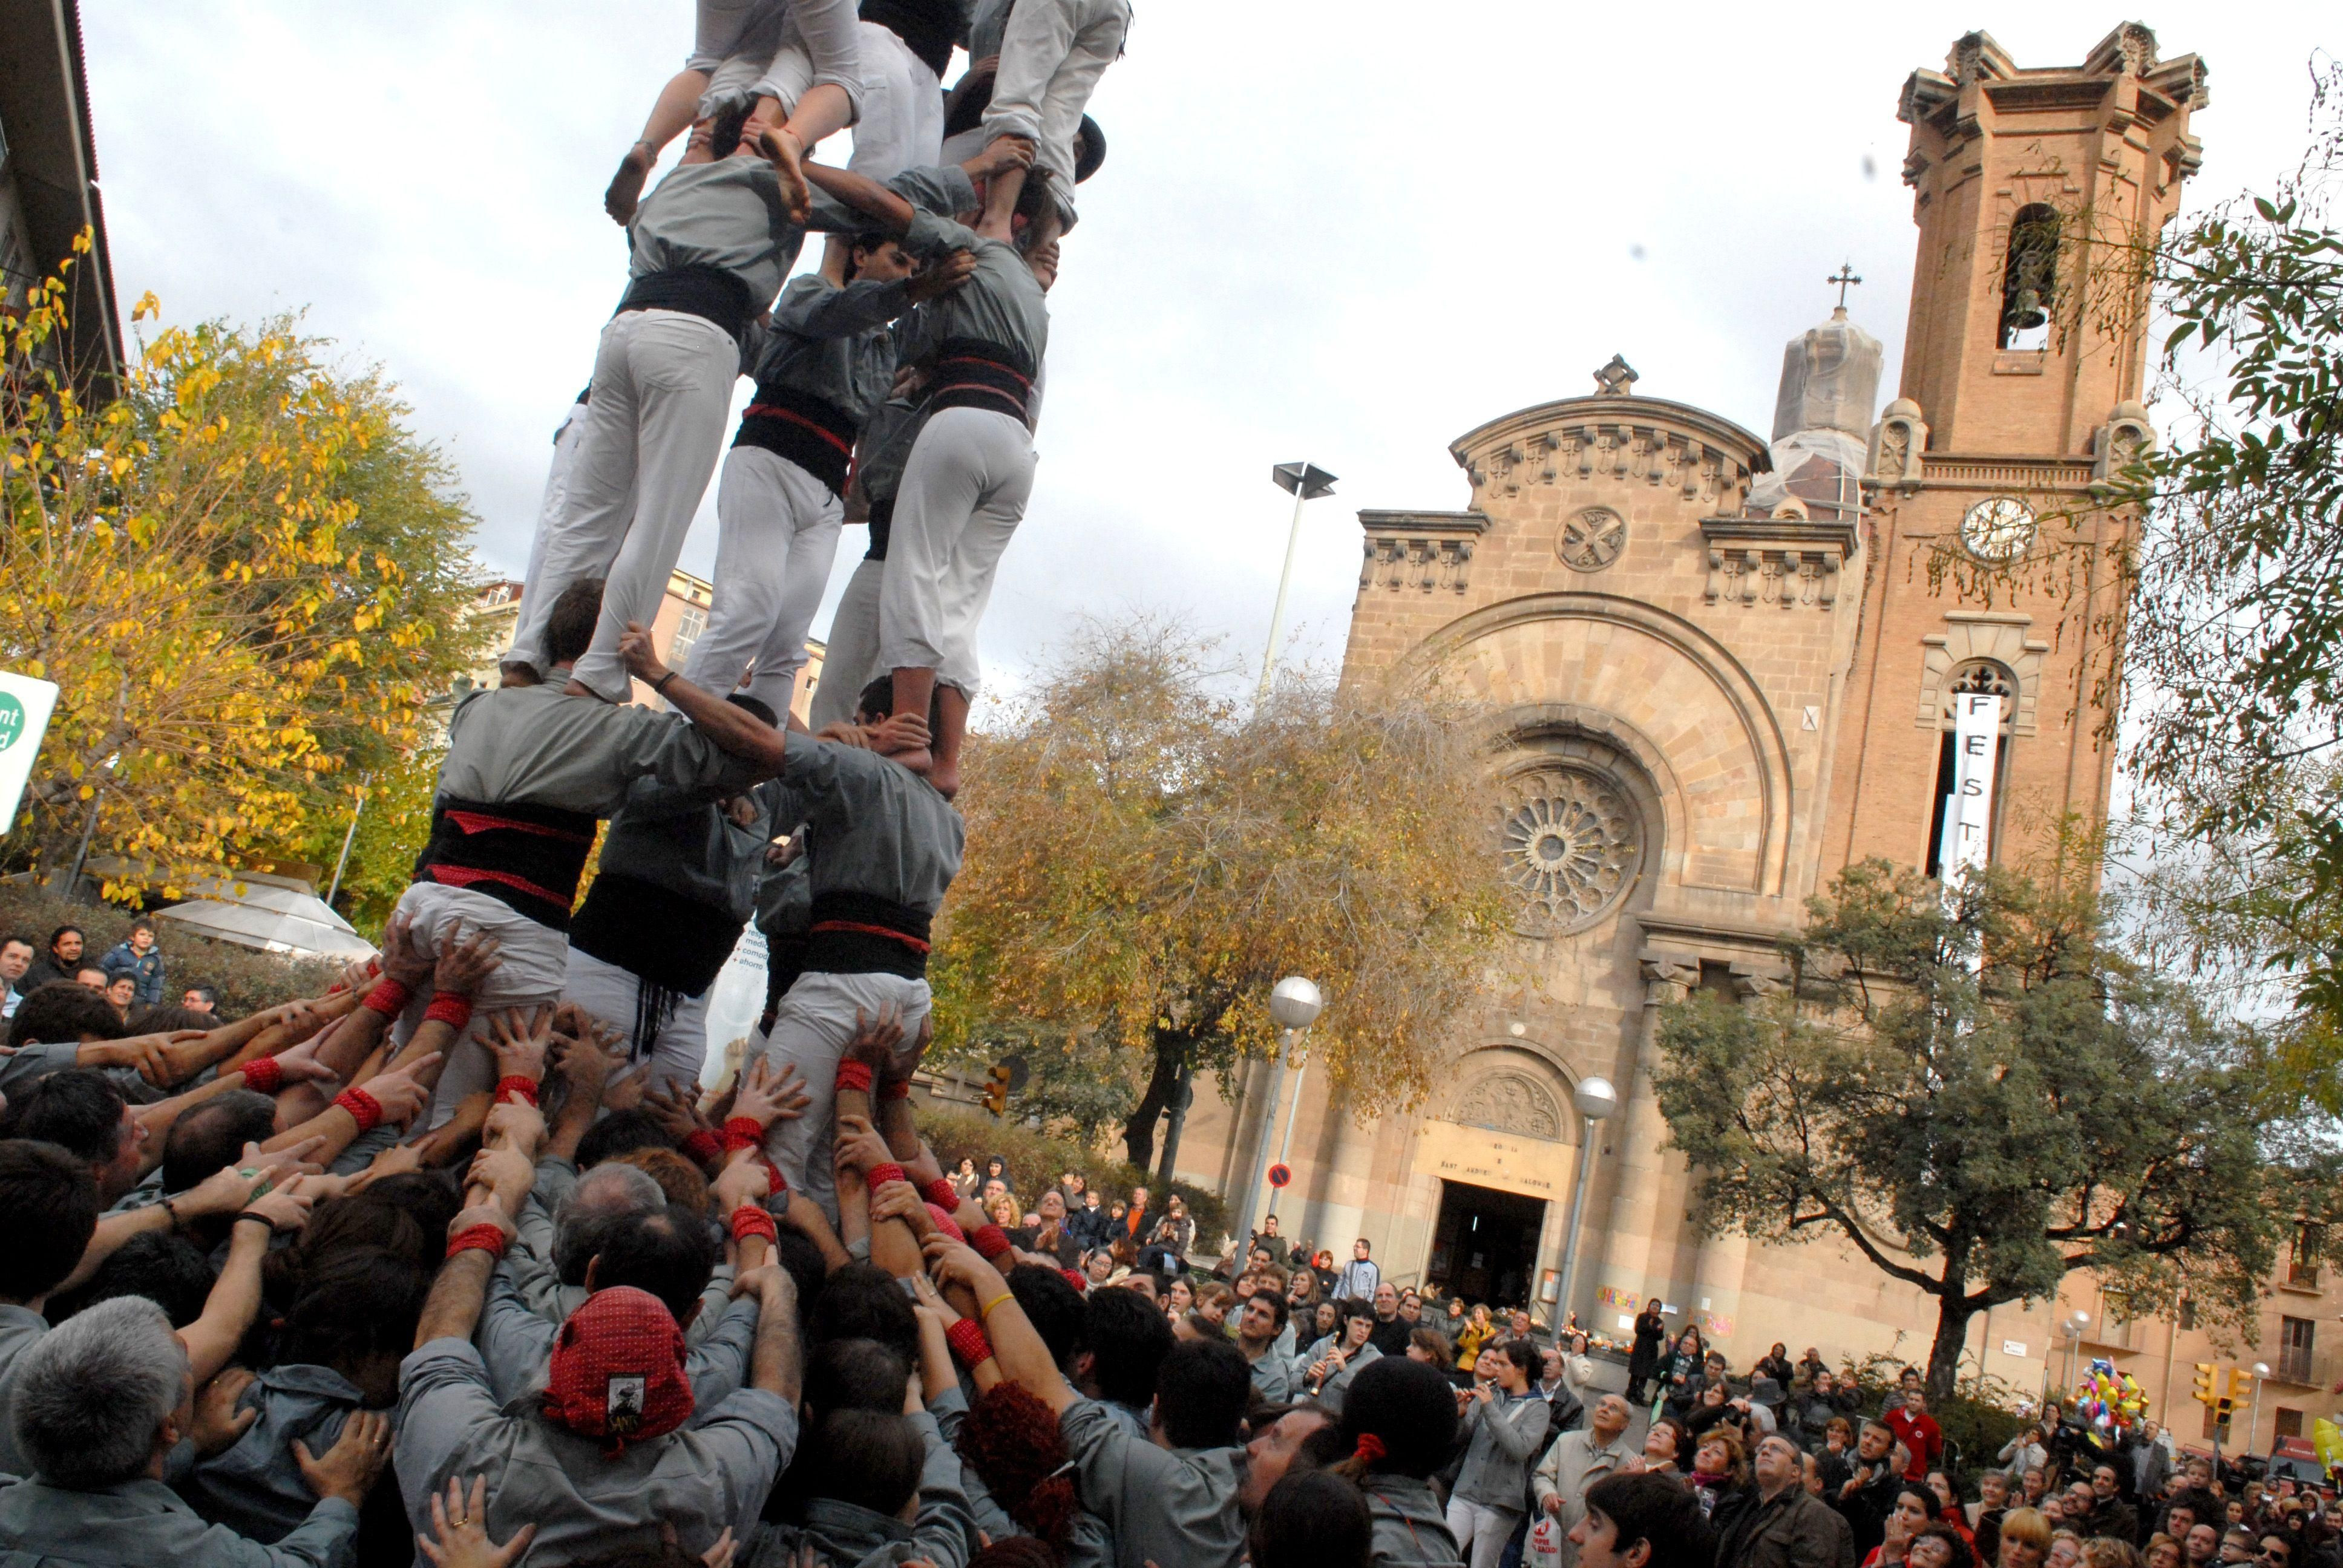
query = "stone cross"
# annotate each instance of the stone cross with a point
(1845, 276)
(1616, 380)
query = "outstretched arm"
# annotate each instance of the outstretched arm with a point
(734, 730)
(887, 211)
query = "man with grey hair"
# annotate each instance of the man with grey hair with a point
(99, 1404)
(1576, 1461)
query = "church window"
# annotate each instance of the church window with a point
(1571, 845)
(1978, 677)
(2029, 279)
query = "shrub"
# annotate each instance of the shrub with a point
(247, 981)
(1036, 1160)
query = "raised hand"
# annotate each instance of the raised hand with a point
(516, 1126)
(676, 1108)
(299, 1063)
(517, 1037)
(634, 651)
(957, 1263)
(506, 1173)
(860, 1147)
(401, 1093)
(463, 967)
(901, 1201)
(942, 276)
(740, 1183)
(406, 957)
(876, 1040)
(898, 732)
(220, 1426)
(286, 1208)
(768, 1094)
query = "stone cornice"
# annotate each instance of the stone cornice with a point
(1443, 524)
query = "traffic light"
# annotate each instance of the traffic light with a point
(2204, 1394)
(996, 1087)
(2223, 1408)
(2241, 1384)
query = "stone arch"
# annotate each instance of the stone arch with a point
(1973, 636)
(1664, 691)
(1511, 1087)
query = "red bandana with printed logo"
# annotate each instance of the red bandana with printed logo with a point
(616, 1371)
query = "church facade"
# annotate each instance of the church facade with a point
(1726, 671)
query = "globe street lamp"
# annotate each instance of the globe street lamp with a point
(1595, 1100)
(1294, 1005)
(2253, 1421)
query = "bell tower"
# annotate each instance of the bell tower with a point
(2023, 366)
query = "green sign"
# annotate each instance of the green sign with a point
(11, 720)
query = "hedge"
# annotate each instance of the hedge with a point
(246, 980)
(1036, 1160)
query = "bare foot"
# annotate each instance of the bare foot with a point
(788, 157)
(627, 185)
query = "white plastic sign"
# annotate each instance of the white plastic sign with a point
(25, 707)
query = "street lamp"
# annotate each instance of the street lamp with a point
(1307, 482)
(2253, 1421)
(1295, 1004)
(1595, 1100)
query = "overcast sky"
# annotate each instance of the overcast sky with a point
(1319, 234)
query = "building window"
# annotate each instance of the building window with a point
(688, 627)
(2187, 1312)
(2302, 1268)
(1980, 676)
(2294, 1340)
(2029, 281)
(2289, 1423)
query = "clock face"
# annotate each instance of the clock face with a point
(1998, 528)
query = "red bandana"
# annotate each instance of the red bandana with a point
(616, 1371)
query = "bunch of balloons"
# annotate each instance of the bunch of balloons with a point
(2110, 1399)
(2327, 1442)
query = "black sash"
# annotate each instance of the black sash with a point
(815, 435)
(528, 857)
(858, 933)
(654, 933)
(882, 528)
(972, 374)
(709, 293)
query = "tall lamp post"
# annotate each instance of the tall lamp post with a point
(1295, 1004)
(1307, 482)
(2253, 1421)
(1595, 1100)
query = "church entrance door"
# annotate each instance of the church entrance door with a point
(1484, 1243)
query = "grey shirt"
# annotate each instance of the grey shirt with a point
(1001, 303)
(146, 1524)
(255, 1487)
(1273, 1374)
(1507, 1433)
(878, 827)
(702, 1480)
(942, 1532)
(21, 1328)
(534, 744)
(1168, 1504)
(1087, 1543)
(1410, 1527)
(675, 839)
(726, 215)
(22, 1066)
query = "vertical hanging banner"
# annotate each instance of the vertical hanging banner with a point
(1969, 810)
(25, 707)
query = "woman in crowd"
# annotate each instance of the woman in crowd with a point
(1913, 1511)
(1660, 1445)
(965, 1180)
(2025, 1539)
(1643, 1356)
(1507, 1425)
(1476, 1332)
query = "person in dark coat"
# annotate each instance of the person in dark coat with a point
(1784, 1527)
(1651, 1334)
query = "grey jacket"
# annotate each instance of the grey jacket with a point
(534, 744)
(1507, 1432)
(255, 1487)
(516, 1343)
(1001, 303)
(1411, 1528)
(1088, 1544)
(726, 215)
(878, 827)
(1576, 1462)
(845, 1536)
(1162, 1505)
(145, 1524)
(678, 840)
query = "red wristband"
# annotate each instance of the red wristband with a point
(521, 1089)
(946, 1224)
(749, 1220)
(365, 1107)
(743, 1133)
(489, 1239)
(878, 1174)
(895, 1088)
(262, 1075)
(991, 1241)
(388, 997)
(1079, 1281)
(449, 1008)
(966, 1337)
(854, 1075)
(703, 1146)
(941, 1193)
(777, 1184)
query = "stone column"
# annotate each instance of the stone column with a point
(1624, 1257)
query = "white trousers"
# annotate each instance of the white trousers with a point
(1481, 1531)
(818, 42)
(963, 494)
(568, 437)
(809, 1032)
(902, 121)
(662, 396)
(850, 662)
(1052, 55)
(611, 995)
(778, 534)
(532, 960)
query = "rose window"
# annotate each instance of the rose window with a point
(1572, 846)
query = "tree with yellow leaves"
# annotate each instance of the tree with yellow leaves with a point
(245, 578)
(1146, 859)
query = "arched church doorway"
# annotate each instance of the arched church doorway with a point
(1484, 1243)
